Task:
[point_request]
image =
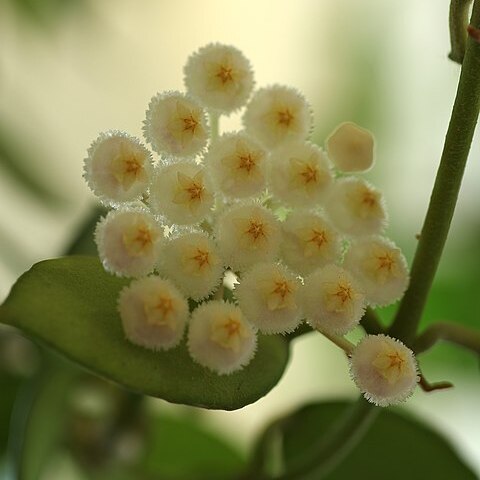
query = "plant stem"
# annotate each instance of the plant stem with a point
(445, 191)
(214, 126)
(371, 323)
(458, 29)
(339, 341)
(450, 332)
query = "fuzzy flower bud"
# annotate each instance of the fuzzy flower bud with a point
(351, 148)
(381, 267)
(193, 262)
(128, 242)
(247, 234)
(220, 338)
(356, 208)
(332, 300)
(118, 167)
(153, 312)
(267, 294)
(309, 242)
(299, 174)
(277, 115)
(182, 192)
(237, 164)
(220, 77)
(384, 369)
(176, 125)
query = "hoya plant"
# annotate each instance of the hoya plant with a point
(216, 249)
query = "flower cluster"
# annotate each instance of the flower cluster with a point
(301, 236)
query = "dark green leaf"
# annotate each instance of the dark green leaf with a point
(396, 447)
(37, 420)
(9, 385)
(180, 449)
(69, 304)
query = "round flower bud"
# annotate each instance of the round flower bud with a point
(351, 148)
(118, 167)
(309, 242)
(381, 268)
(220, 77)
(153, 312)
(332, 300)
(356, 208)
(247, 234)
(299, 174)
(277, 115)
(193, 262)
(176, 125)
(384, 369)
(128, 242)
(237, 165)
(182, 192)
(267, 294)
(220, 338)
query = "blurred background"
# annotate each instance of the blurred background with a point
(70, 69)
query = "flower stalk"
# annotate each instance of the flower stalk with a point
(458, 29)
(445, 191)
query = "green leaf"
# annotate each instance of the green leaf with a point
(38, 419)
(9, 385)
(396, 446)
(69, 304)
(180, 449)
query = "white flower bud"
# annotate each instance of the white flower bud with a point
(237, 164)
(267, 294)
(153, 312)
(277, 115)
(220, 77)
(384, 369)
(193, 262)
(247, 234)
(332, 300)
(118, 167)
(309, 242)
(299, 174)
(356, 208)
(351, 148)
(220, 338)
(176, 125)
(128, 242)
(182, 192)
(381, 268)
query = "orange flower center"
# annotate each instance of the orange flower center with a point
(285, 117)
(246, 162)
(190, 124)
(225, 74)
(202, 257)
(256, 230)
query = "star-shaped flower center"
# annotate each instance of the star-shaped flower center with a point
(256, 230)
(285, 117)
(225, 74)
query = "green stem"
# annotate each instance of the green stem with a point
(458, 29)
(371, 323)
(346, 345)
(445, 191)
(450, 332)
(214, 125)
